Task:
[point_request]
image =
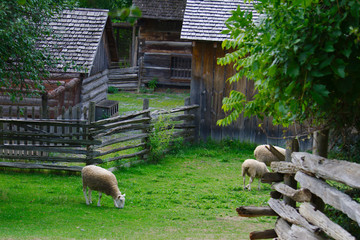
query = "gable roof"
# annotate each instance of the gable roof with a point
(79, 33)
(161, 9)
(205, 19)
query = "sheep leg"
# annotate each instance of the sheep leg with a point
(250, 181)
(86, 199)
(100, 195)
(244, 179)
(89, 192)
(259, 184)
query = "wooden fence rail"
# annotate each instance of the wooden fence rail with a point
(77, 138)
(306, 222)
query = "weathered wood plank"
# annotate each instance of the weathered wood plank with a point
(49, 158)
(140, 153)
(175, 110)
(282, 229)
(290, 214)
(330, 195)
(284, 167)
(271, 177)
(251, 211)
(321, 220)
(341, 171)
(266, 234)
(121, 139)
(129, 127)
(40, 166)
(121, 149)
(300, 195)
(55, 149)
(120, 118)
(298, 232)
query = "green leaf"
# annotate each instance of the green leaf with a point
(329, 46)
(293, 69)
(339, 67)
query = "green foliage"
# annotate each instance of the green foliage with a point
(112, 90)
(153, 83)
(303, 57)
(105, 4)
(161, 138)
(22, 24)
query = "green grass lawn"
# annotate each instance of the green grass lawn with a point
(192, 194)
(129, 102)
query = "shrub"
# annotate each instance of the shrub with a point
(161, 138)
(112, 90)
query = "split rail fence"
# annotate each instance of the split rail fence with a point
(307, 221)
(76, 139)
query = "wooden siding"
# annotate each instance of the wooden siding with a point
(209, 86)
(94, 88)
(159, 42)
(102, 58)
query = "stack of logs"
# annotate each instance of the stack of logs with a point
(306, 220)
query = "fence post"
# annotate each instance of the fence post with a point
(188, 122)
(147, 130)
(91, 119)
(292, 145)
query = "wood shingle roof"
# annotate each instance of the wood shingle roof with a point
(78, 34)
(205, 19)
(161, 9)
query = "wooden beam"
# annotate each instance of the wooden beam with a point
(282, 229)
(274, 151)
(266, 234)
(341, 171)
(319, 219)
(300, 195)
(290, 214)
(298, 232)
(251, 211)
(284, 167)
(330, 195)
(272, 177)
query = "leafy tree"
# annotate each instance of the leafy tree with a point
(22, 23)
(304, 59)
(120, 10)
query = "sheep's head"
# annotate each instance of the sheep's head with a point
(119, 201)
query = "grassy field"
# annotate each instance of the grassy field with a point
(129, 102)
(189, 194)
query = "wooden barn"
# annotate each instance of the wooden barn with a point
(163, 56)
(86, 45)
(203, 23)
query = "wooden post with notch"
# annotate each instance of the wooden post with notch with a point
(292, 145)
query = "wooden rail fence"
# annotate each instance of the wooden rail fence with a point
(63, 144)
(306, 221)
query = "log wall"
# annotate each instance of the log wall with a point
(159, 45)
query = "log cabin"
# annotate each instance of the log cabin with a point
(86, 46)
(204, 20)
(163, 56)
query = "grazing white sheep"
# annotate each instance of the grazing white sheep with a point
(262, 154)
(103, 181)
(254, 169)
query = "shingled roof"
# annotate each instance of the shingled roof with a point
(161, 9)
(205, 19)
(78, 35)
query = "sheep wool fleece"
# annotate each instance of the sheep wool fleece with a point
(99, 179)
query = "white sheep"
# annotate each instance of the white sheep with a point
(254, 169)
(262, 154)
(103, 181)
